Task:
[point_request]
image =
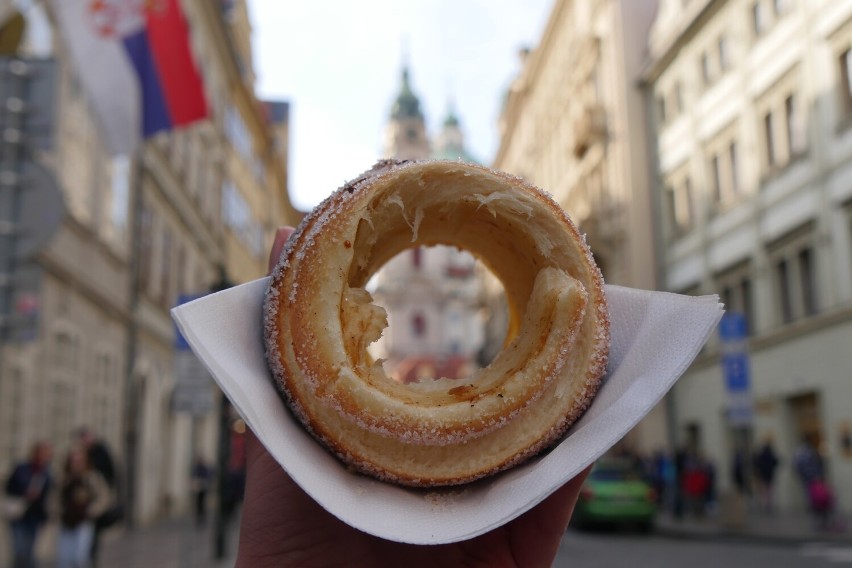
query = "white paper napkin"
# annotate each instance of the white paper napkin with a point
(655, 336)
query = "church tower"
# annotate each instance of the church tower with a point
(449, 144)
(432, 294)
(406, 132)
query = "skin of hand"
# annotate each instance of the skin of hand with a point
(283, 526)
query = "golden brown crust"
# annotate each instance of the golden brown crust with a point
(318, 322)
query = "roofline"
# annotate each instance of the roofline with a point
(671, 46)
(530, 70)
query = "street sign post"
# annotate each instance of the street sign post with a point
(733, 332)
(193, 392)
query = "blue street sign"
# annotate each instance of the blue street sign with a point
(733, 333)
(180, 341)
(735, 370)
(733, 327)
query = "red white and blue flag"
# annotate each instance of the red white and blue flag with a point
(134, 60)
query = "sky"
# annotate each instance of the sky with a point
(339, 65)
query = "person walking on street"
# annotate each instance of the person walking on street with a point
(202, 477)
(100, 460)
(84, 496)
(765, 464)
(808, 464)
(25, 503)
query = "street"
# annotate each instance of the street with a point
(176, 544)
(616, 549)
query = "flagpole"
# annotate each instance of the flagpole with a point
(131, 398)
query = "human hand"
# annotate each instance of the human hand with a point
(283, 526)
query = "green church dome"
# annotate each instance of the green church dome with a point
(407, 105)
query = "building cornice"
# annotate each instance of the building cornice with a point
(527, 76)
(663, 51)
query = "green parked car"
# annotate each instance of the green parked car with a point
(615, 494)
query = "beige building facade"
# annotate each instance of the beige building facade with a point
(574, 124)
(193, 205)
(752, 108)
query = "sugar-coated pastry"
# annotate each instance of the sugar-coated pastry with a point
(319, 320)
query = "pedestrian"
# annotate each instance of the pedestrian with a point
(202, 476)
(821, 500)
(808, 464)
(765, 465)
(25, 503)
(100, 459)
(739, 473)
(696, 484)
(680, 462)
(84, 496)
(711, 504)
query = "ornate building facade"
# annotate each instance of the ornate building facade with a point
(190, 208)
(752, 106)
(574, 124)
(432, 294)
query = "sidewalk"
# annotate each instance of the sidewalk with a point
(177, 543)
(791, 529)
(174, 543)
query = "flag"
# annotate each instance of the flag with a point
(134, 61)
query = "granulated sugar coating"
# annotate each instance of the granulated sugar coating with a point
(442, 433)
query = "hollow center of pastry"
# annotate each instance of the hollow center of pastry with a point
(446, 312)
(523, 246)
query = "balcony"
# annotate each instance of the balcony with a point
(589, 128)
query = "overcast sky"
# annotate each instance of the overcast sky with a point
(338, 63)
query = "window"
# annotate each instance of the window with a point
(166, 268)
(716, 170)
(715, 60)
(784, 124)
(785, 298)
(759, 22)
(766, 13)
(670, 102)
(706, 75)
(732, 162)
(181, 271)
(769, 139)
(678, 97)
(722, 46)
(780, 7)
(795, 129)
(845, 62)
(735, 291)
(807, 280)
(417, 257)
(680, 203)
(724, 56)
(120, 191)
(418, 325)
(239, 217)
(723, 164)
(794, 272)
(661, 109)
(11, 419)
(146, 235)
(62, 400)
(238, 133)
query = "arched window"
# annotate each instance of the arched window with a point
(418, 325)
